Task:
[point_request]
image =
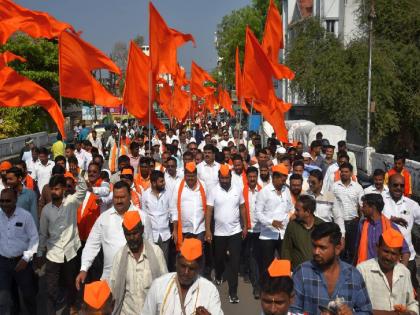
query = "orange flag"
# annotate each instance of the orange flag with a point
(7, 57)
(239, 83)
(136, 89)
(181, 103)
(198, 77)
(209, 102)
(36, 24)
(225, 101)
(165, 99)
(18, 91)
(77, 59)
(258, 71)
(273, 33)
(163, 43)
(180, 77)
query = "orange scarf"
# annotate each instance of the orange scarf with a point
(203, 200)
(247, 207)
(29, 182)
(113, 157)
(135, 198)
(140, 181)
(86, 216)
(244, 179)
(363, 245)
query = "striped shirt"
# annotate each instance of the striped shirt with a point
(347, 199)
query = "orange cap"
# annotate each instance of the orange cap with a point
(224, 170)
(127, 171)
(279, 268)
(191, 248)
(393, 238)
(280, 168)
(190, 167)
(68, 174)
(131, 219)
(5, 165)
(96, 294)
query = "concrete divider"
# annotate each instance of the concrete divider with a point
(10, 148)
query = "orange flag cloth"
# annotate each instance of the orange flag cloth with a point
(18, 91)
(181, 103)
(273, 33)
(7, 57)
(239, 83)
(77, 59)
(136, 89)
(258, 71)
(163, 43)
(198, 77)
(209, 102)
(225, 101)
(165, 99)
(34, 23)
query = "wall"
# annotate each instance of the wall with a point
(11, 147)
(368, 160)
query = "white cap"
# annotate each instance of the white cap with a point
(155, 142)
(306, 155)
(192, 140)
(280, 150)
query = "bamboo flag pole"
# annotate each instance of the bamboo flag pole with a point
(150, 111)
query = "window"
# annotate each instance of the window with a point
(330, 25)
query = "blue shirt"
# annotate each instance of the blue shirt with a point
(311, 289)
(374, 232)
(27, 200)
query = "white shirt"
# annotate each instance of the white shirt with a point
(82, 158)
(373, 190)
(42, 173)
(347, 198)
(163, 297)
(192, 211)
(138, 278)
(30, 166)
(381, 296)
(252, 197)
(157, 208)
(227, 216)
(237, 180)
(407, 209)
(172, 182)
(18, 235)
(96, 143)
(272, 206)
(107, 232)
(209, 174)
(329, 177)
(58, 233)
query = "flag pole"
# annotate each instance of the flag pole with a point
(119, 132)
(240, 122)
(150, 111)
(249, 123)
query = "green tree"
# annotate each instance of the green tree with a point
(41, 67)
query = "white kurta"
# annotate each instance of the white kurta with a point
(163, 297)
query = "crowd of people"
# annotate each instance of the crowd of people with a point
(167, 217)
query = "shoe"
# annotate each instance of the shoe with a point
(246, 278)
(233, 299)
(256, 293)
(218, 282)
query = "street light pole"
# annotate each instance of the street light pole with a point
(371, 17)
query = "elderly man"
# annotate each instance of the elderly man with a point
(387, 280)
(134, 267)
(184, 291)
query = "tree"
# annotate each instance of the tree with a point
(41, 67)
(333, 78)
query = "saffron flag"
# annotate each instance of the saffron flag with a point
(136, 88)
(238, 83)
(7, 57)
(165, 99)
(34, 23)
(18, 91)
(225, 101)
(198, 77)
(77, 59)
(209, 102)
(258, 71)
(273, 33)
(163, 43)
(180, 77)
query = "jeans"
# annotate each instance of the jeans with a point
(25, 280)
(349, 253)
(222, 244)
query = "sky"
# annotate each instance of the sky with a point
(105, 22)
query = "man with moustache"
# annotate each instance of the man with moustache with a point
(264, 178)
(134, 267)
